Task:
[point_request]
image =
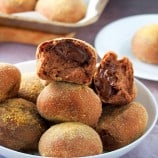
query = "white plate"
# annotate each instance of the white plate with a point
(144, 96)
(117, 37)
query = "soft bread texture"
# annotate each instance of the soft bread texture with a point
(61, 102)
(121, 125)
(71, 139)
(114, 80)
(14, 6)
(20, 125)
(68, 11)
(10, 78)
(66, 59)
(145, 44)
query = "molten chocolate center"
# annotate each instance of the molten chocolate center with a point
(70, 52)
(106, 80)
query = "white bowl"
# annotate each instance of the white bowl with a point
(144, 96)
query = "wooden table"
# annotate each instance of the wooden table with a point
(116, 9)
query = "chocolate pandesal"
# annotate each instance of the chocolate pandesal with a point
(68, 11)
(121, 125)
(63, 101)
(66, 59)
(20, 125)
(70, 139)
(145, 43)
(30, 87)
(10, 78)
(114, 80)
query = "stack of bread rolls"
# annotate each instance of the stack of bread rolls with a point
(69, 65)
(78, 91)
(76, 101)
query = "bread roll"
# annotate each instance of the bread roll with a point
(145, 44)
(121, 125)
(10, 78)
(66, 59)
(71, 139)
(62, 101)
(20, 125)
(68, 11)
(30, 86)
(114, 80)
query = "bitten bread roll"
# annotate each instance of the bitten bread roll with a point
(145, 44)
(66, 59)
(10, 78)
(71, 139)
(14, 6)
(20, 125)
(68, 11)
(62, 101)
(121, 125)
(114, 80)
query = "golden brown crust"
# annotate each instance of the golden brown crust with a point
(70, 139)
(145, 44)
(120, 125)
(20, 125)
(66, 59)
(14, 6)
(30, 87)
(10, 78)
(61, 101)
(114, 80)
(68, 11)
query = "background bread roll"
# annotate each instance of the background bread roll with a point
(69, 11)
(13, 6)
(145, 44)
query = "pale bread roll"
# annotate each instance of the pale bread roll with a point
(14, 6)
(69, 11)
(145, 44)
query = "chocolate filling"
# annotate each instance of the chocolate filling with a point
(70, 52)
(106, 80)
